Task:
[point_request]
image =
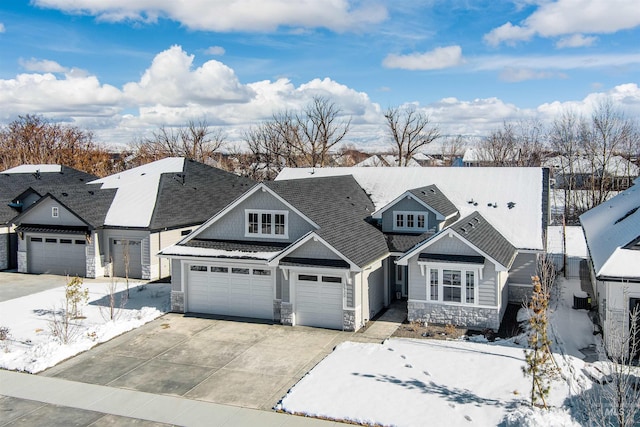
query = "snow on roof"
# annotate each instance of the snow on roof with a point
(34, 169)
(137, 190)
(608, 228)
(469, 189)
(219, 253)
(576, 245)
(370, 162)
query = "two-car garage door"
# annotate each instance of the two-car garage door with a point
(57, 255)
(230, 290)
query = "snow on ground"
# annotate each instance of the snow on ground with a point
(32, 347)
(406, 382)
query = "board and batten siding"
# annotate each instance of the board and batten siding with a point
(160, 267)
(406, 205)
(231, 226)
(176, 275)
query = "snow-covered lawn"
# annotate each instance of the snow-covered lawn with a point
(405, 382)
(32, 346)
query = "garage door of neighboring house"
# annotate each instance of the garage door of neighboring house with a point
(57, 255)
(120, 249)
(230, 290)
(318, 300)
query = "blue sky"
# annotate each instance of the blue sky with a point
(121, 68)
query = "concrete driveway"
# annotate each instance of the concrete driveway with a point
(240, 362)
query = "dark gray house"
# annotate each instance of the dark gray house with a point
(22, 186)
(120, 222)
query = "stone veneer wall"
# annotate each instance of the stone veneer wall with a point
(4, 251)
(277, 308)
(22, 262)
(349, 320)
(472, 317)
(90, 260)
(177, 301)
(286, 313)
(519, 294)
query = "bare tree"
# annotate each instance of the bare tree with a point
(614, 396)
(452, 147)
(409, 130)
(196, 140)
(499, 148)
(33, 139)
(609, 132)
(318, 128)
(529, 143)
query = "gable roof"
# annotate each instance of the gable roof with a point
(612, 230)
(339, 206)
(480, 234)
(87, 202)
(42, 179)
(335, 206)
(169, 193)
(430, 197)
(469, 189)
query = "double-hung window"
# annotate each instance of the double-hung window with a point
(261, 223)
(451, 286)
(410, 221)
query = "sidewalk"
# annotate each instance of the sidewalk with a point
(388, 323)
(146, 406)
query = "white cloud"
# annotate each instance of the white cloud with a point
(576, 40)
(42, 65)
(513, 75)
(171, 81)
(567, 17)
(215, 50)
(2, 28)
(438, 58)
(232, 15)
(173, 91)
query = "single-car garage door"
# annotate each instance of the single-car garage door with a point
(319, 301)
(57, 255)
(231, 291)
(125, 252)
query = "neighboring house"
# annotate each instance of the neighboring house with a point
(22, 186)
(618, 174)
(567, 249)
(297, 252)
(612, 231)
(115, 225)
(462, 242)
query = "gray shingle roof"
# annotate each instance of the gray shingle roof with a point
(398, 242)
(340, 207)
(236, 245)
(433, 197)
(480, 233)
(14, 184)
(195, 195)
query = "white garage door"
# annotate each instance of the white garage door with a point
(121, 249)
(319, 301)
(57, 255)
(230, 291)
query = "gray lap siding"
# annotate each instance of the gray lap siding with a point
(231, 226)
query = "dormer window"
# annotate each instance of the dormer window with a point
(410, 221)
(55, 212)
(262, 223)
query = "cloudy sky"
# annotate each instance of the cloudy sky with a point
(124, 67)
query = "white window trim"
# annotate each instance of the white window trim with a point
(415, 221)
(476, 269)
(273, 224)
(55, 212)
